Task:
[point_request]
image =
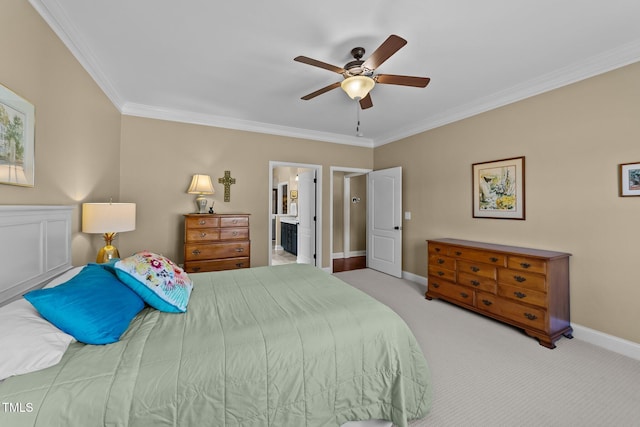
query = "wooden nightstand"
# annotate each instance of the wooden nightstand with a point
(214, 242)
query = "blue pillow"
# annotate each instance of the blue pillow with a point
(158, 280)
(94, 306)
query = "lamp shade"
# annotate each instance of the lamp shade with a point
(201, 184)
(357, 87)
(108, 217)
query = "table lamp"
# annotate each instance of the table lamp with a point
(109, 219)
(200, 185)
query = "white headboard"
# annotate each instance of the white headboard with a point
(35, 246)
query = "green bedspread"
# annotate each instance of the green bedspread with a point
(270, 346)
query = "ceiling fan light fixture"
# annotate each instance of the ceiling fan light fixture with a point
(357, 87)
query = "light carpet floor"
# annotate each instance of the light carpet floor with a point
(486, 373)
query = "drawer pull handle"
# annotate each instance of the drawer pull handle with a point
(240, 264)
(464, 295)
(475, 283)
(203, 222)
(475, 269)
(525, 265)
(440, 273)
(195, 269)
(530, 316)
(203, 234)
(235, 221)
(435, 285)
(437, 249)
(520, 278)
(440, 261)
(458, 253)
(239, 249)
(493, 259)
(520, 294)
(487, 302)
(235, 233)
(196, 252)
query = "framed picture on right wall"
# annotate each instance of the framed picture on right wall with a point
(630, 179)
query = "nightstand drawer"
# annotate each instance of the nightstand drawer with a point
(200, 251)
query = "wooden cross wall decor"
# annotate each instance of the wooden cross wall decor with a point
(227, 181)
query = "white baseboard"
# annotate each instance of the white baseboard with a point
(609, 342)
(337, 255)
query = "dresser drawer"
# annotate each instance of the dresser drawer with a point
(201, 251)
(442, 273)
(234, 221)
(234, 233)
(478, 269)
(523, 295)
(203, 222)
(440, 261)
(435, 248)
(448, 290)
(478, 282)
(194, 235)
(479, 256)
(522, 279)
(216, 264)
(518, 313)
(532, 265)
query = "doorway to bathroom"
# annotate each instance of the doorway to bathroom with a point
(295, 208)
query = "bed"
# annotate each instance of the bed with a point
(268, 346)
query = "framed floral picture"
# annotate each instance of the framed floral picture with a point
(17, 128)
(498, 189)
(630, 179)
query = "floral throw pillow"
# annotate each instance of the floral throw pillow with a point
(157, 280)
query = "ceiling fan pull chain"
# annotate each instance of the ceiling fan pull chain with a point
(358, 132)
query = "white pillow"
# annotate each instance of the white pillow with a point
(64, 277)
(28, 342)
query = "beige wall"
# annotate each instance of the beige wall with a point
(77, 133)
(159, 157)
(573, 138)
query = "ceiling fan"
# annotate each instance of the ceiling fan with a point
(359, 77)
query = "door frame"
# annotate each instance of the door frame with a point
(318, 202)
(332, 169)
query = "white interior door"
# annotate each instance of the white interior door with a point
(307, 217)
(384, 221)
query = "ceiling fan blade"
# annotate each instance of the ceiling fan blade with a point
(316, 63)
(390, 46)
(366, 102)
(321, 91)
(390, 79)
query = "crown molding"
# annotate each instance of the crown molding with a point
(64, 28)
(625, 55)
(152, 112)
(66, 31)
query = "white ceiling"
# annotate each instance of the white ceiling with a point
(230, 63)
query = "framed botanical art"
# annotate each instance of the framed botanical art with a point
(498, 189)
(17, 128)
(630, 179)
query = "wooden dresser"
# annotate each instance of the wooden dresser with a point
(214, 242)
(526, 288)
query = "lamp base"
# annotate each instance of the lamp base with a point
(107, 253)
(201, 203)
